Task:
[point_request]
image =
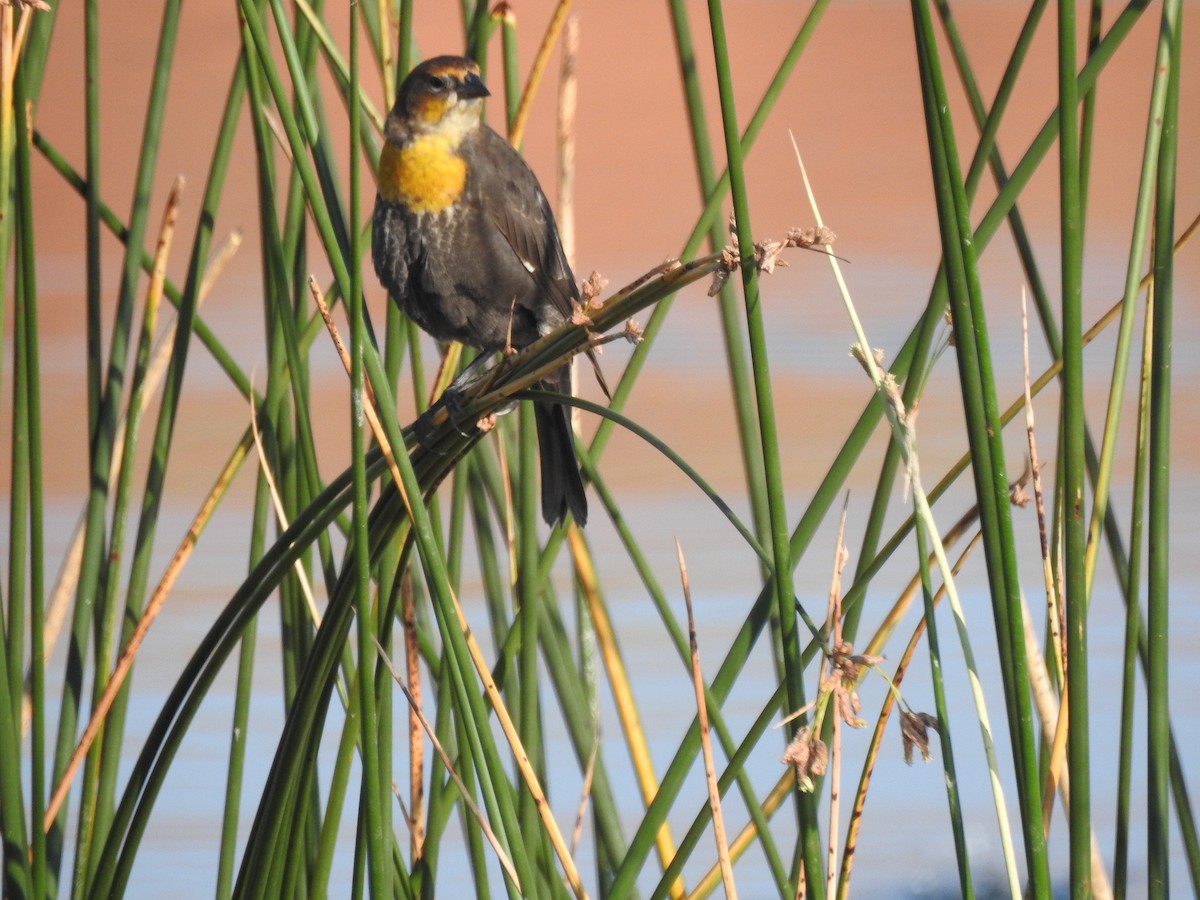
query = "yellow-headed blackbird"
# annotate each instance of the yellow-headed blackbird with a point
(465, 241)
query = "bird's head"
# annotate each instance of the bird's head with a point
(443, 95)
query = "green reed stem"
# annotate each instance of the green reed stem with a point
(704, 224)
(294, 838)
(780, 549)
(240, 725)
(102, 439)
(1133, 618)
(376, 788)
(984, 432)
(735, 353)
(95, 808)
(680, 642)
(953, 798)
(28, 382)
(91, 55)
(1071, 456)
(1158, 721)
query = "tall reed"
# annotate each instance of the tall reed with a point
(368, 569)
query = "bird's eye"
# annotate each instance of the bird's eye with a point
(436, 82)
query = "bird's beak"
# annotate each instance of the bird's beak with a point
(472, 86)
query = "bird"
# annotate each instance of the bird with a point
(465, 242)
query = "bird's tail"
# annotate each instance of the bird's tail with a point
(562, 486)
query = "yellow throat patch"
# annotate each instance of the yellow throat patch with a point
(426, 175)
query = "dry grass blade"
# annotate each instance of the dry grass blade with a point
(153, 607)
(154, 292)
(68, 573)
(416, 742)
(1110, 315)
(277, 130)
(387, 62)
(567, 101)
(1051, 718)
(780, 791)
(580, 552)
(1053, 606)
(901, 426)
(281, 515)
(912, 590)
(841, 554)
(622, 693)
(889, 701)
(463, 792)
(532, 783)
(585, 792)
(216, 266)
(368, 401)
(710, 770)
(1055, 613)
(553, 28)
(162, 250)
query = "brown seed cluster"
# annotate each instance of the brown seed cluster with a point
(914, 730)
(767, 253)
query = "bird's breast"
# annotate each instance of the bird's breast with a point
(426, 175)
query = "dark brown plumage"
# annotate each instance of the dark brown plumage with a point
(466, 243)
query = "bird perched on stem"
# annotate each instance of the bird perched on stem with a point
(465, 242)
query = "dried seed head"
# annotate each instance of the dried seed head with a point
(579, 316)
(766, 255)
(591, 289)
(845, 669)
(809, 755)
(848, 706)
(1018, 497)
(914, 731)
(856, 350)
(810, 237)
(728, 265)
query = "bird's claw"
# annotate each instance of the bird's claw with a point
(451, 401)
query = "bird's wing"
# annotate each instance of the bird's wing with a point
(536, 246)
(524, 218)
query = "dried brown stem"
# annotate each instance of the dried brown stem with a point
(710, 769)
